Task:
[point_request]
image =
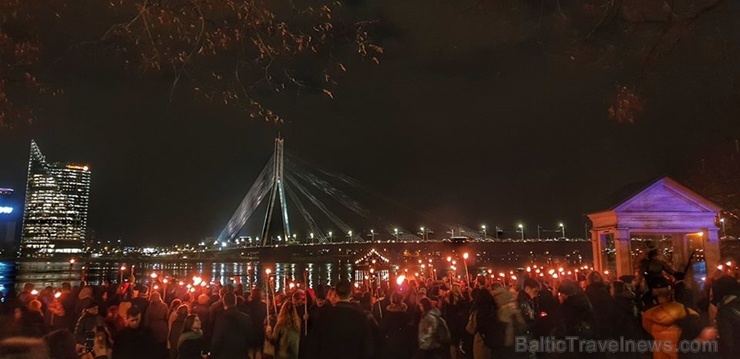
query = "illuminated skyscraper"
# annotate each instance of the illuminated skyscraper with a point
(8, 215)
(55, 216)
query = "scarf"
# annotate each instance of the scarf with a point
(191, 335)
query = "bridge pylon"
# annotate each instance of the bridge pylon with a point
(278, 190)
(270, 181)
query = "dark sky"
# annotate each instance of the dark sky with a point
(467, 118)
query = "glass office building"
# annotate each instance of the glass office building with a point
(55, 216)
(9, 212)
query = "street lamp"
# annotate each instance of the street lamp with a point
(521, 228)
(349, 236)
(311, 235)
(372, 235)
(483, 227)
(423, 233)
(724, 233)
(329, 236)
(395, 233)
(562, 229)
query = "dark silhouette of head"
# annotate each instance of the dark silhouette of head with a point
(344, 290)
(229, 300)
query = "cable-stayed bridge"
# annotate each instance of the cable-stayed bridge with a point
(314, 199)
(287, 186)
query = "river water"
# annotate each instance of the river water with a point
(43, 274)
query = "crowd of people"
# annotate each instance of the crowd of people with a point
(478, 319)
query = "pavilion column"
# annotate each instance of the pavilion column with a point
(680, 251)
(711, 250)
(622, 247)
(597, 246)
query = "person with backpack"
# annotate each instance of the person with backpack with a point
(669, 322)
(726, 292)
(434, 335)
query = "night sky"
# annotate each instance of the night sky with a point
(468, 119)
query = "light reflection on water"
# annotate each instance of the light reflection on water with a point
(43, 274)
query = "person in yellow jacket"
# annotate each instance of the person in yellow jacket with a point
(661, 321)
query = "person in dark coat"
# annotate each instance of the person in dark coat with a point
(258, 313)
(232, 332)
(217, 307)
(61, 344)
(202, 309)
(190, 343)
(604, 305)
(626, 313)
(575, 316)
(397, 329)
(33, 320)
(156, 318)
(176, 329)
(548, 305)
(727, 297)
(134, 341)
(343, 332)
(529, 305)
(139, 298)
(456, 311)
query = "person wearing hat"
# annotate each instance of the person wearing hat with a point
(726, 296)
(661, 321)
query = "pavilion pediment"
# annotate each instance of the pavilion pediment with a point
(666, 195)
